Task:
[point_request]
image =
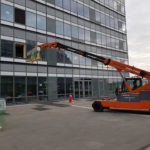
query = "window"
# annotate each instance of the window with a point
(112, 23)
(82, 60)
(86, 12)
(88, 62)
(117, 44)
(20, 50)
(7, 13)
(81, 34)
(73, 6)
(67, 30)
(80, 9)
(59, 27)
(42, 86)
(66, 4)
(29, 45)
(31, 19)
(115, 5)
(58, 3)
(51, 25)
(87, 35)
(68, 57)
(104, 40)
(31, 86)
(121, 26)
(98, 37)
(61, 87)
(6, 48)
(75, 32)
(98, 18)
(93, 37)
(61, 56)
(69, 86)
(19, 16)
(116, 23)
(76, 59)
(102, 18)
(41, 22)
(20, 91)
(7, 87)
(107, 20)
(122, 9)
(108, 41)
(113, 43)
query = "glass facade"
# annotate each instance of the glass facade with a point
(95, 26)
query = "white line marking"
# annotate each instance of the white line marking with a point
(82, 107)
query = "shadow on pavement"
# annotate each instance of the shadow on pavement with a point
(140, 112)
(41, 108)
(56, 104)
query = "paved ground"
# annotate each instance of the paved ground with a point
(60, 126)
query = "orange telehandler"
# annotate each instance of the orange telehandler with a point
(129, 95)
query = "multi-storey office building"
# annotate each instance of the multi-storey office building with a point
(96, 26)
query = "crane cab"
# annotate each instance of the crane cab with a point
(134, 83)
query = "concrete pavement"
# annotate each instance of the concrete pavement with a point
(60, 126)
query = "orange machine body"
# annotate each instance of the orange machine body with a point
(130, 105)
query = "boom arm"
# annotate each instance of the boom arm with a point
(106, 61)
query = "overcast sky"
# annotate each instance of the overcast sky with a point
(138, 30)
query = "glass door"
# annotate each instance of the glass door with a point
(76, 89)
(81, 89)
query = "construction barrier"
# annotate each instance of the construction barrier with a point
(2, 113)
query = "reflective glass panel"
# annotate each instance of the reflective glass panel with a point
(80, 9)
(87, 35)
(31, 86)
(66, 4)
(31, 19)
(58, 3)
(7, 48)
(86, 12)
(75, 32)
(81, 34)
(42, 86)
(59, 27)
(19, 87)
(98, 18)
(60, 87)
(6, 87)
(41, 22)
(67, 30)
(74, 6)
(99, 38)
(68, 57)
(7, 13)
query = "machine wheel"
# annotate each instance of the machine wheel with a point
(97, 106)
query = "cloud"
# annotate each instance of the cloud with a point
(138, 27)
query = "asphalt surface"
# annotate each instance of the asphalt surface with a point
(60, 126)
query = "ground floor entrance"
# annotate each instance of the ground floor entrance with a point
(82, 88)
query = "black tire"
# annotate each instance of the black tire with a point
(106, 108)
(97, 106)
